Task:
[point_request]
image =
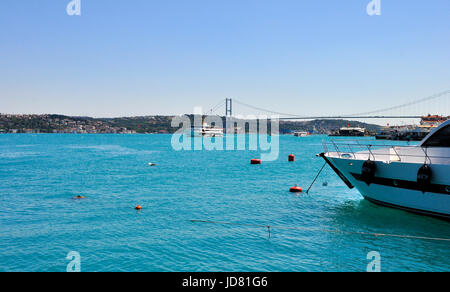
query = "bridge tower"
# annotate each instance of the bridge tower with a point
(228, 107)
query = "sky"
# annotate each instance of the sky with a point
(145, 57)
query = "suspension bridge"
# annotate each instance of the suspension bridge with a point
(439, 100)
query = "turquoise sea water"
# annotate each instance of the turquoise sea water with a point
(40, 223)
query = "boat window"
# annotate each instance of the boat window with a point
(440, 139)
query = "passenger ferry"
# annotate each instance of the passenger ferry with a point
(207, 131)
(301, 134)
(432, 121)
(350, 132)
(411, 178)
(412, 132)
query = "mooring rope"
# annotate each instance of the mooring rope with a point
(317, 176)
(269, 227)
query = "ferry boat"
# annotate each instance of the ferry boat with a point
(350, 132)
(207, 131)
(405, 133)
(301, 134)
(411, 178)
(412, 132)
(432, 121)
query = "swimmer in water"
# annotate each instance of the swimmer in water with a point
(79, 197)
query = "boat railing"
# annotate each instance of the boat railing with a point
(354, 149)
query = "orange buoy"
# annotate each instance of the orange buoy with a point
(255, 161)
(296, 190)
(138, 207)
(291, 157)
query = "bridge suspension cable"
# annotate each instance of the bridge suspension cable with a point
(428, 98)
(263, 110)
(215, 108)
(369, 114)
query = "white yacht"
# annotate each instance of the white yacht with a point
(412, 178)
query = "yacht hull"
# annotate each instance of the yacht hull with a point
(395, 185)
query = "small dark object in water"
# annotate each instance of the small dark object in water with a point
(79, 197)
(291, 158)
(325, 184)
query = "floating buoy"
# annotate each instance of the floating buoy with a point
(138, 207)
(152, 164)
(255, 161)
(291, 157)
(296, 189)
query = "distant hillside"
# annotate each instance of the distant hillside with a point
(148, 124)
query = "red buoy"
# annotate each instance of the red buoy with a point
(296, 190)
(291, 157)
(255, 161)
(138, 207)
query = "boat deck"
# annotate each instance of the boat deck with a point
(354, 150)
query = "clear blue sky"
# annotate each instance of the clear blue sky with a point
(143, 57)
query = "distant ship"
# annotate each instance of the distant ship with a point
(432, 121)
(207, 131)
(350, 132)
(412, 133)
(301, 134)
(406, 133)
(411, 178)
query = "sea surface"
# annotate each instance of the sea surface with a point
(40, 222)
